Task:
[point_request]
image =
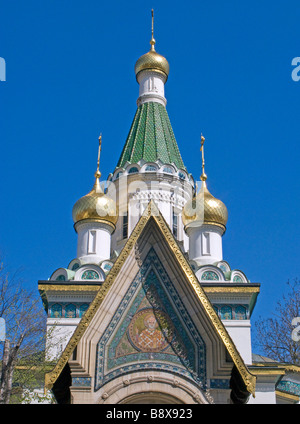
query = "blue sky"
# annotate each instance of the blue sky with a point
(70, 75)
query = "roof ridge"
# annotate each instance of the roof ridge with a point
(137, 131)
(132, 128)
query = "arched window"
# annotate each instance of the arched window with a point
(90, 275)
(56, 311)
(222, 267)
(82, 309)
(118, 175)
(240, 312)
(70, 311)
(133, 170)
(75, 266)
(61, 278)
(168, 170)
(237, 279)
(226, 312)
(151, 168)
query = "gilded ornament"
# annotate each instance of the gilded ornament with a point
(96, 205)
(204, 208)
(152, 61)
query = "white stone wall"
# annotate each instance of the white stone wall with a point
(205, 244)
(151, 88)
(93, 242)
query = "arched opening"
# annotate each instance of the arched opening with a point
(151, 398)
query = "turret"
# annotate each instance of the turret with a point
(204, 218)
(95, 216)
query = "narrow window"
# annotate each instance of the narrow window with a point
(205, 244)
(92, 241)
(175, 224)
(125, 226)
(74, 354)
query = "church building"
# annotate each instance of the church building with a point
(149, 311)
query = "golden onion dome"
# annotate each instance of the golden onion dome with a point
(152, 61)
(96, 205)
(204, 208)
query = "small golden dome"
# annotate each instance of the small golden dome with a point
(152, 61)
(96, 206)
(204, 208)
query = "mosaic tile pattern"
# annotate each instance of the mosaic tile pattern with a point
(237, 312)
(70, 310)
(81, 381)
(209, 276)
(151, 137)
(90, 275)
(237, 279)
(219, 383)
(130, 343)
(289, 387)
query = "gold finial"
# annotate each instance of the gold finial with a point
(203, 176)
(98, 173)
(152, 42)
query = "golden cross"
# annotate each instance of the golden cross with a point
(98, 173)
(152, 42)
(203, 176)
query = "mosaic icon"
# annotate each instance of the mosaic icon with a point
(150, 330)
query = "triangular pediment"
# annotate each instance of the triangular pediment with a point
(111, 325)
(151, 330)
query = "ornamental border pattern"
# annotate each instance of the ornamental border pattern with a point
(289, 387)
(151, 262)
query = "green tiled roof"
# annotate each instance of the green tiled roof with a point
(151, 137)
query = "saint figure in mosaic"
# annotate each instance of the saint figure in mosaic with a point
(149, 331)
(151, 337)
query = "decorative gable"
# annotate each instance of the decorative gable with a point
(150, 320)
(151, 330)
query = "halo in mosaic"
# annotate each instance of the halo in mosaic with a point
(151, 330)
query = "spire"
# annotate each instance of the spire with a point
(97, 186)
(152, 61)
(151, 136)
(203, 176)
(152, 42)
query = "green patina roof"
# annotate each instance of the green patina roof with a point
(151, 137)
